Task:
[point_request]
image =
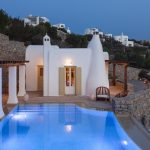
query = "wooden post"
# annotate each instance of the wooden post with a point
(125, 79)
(114, 74)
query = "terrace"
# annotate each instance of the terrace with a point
(126, 121)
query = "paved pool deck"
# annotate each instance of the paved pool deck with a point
(136, 132)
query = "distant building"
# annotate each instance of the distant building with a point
(108, 35)
(62, 26)
(124, 39)
(34, 20)
(92, 31)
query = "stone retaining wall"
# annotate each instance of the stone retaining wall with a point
(11, 50)
(136, 105)
(132, 72)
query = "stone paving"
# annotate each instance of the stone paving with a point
(36, 98)
(80, 100)
(135, 132)
(138, 85)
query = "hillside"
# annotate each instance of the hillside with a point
(138, 56)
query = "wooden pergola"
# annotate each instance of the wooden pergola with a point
(121, 63)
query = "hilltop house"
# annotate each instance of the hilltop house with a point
(66, 71)
(62, 26)
(34, 20)
(92, 31)
(124, 39)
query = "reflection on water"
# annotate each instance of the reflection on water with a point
(69, 114)
(16, 126)
(57, 126)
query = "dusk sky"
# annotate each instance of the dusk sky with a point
(132, 17)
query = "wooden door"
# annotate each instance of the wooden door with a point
(40, 78)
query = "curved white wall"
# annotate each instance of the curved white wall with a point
(97, 73)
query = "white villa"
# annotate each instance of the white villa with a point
(124, 39)
(109, 35)
(66, 71)
(62, 26)
(34, 20)
(92, 31)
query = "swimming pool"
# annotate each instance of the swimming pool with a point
(62, 127)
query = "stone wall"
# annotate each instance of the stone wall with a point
(10, 50)
(62, 35)
(136, 105)
(132, 72)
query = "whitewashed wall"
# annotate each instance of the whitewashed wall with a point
(35, 55)
(57, 57)
(78, 57)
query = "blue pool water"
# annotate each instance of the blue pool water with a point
(62, 127)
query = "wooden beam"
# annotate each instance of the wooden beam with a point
(114, 74)
(4, 63)
(125, 79)
(117, 62)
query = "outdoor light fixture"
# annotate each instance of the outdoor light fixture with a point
(68, 62)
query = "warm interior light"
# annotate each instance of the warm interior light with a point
(68, 62)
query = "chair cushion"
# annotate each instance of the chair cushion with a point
(102, 96)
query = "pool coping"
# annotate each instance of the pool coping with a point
(141, 127)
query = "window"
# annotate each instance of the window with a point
(70, 76)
